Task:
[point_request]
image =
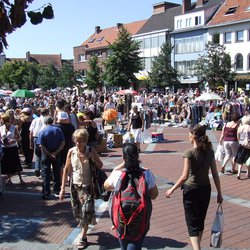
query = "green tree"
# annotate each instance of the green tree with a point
(94, 74)
(162, 73)
(30, 78)
(48, 77)
(12, 74)
(66, 76)
(123, 61)
(13, 15)
(215, 65)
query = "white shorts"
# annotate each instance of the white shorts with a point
(137, 134)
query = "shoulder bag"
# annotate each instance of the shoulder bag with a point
(98, 178)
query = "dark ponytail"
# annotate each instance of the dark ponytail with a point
(131, 158)
(200, 137)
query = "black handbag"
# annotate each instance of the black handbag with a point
(98, 178)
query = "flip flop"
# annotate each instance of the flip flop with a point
(82, 244)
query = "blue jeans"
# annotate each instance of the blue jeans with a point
(46, 163)
(131, 245)
(37, 152)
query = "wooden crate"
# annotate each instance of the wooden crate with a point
(103, 146)
(118, 140)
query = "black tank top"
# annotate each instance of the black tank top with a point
(136, 121)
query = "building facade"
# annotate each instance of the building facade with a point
(98, 44)
(231, 27)
(189, 36)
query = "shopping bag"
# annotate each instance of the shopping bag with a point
(217, 228)
(248, 161)
(220, 153)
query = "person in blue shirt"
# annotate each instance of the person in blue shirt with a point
(51, 141)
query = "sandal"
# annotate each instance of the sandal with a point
(82, 244)
(222, 170)
(233, 171)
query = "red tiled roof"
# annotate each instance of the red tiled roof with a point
(109, 35)
(56, 60)
(242, 12)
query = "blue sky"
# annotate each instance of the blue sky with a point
(74, 22)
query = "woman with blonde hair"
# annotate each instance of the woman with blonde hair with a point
(243, 152)
(77, 164)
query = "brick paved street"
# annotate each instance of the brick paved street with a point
(28, 222)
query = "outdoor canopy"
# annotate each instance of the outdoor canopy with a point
(127, 92)
(23, 93)
(208, 97)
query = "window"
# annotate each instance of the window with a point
(189, 45)
(231, 10)
(228, 37)
(248, 35)
(81, 58)
(178, 24)
(162, 40)
(248, 61)
(91, 40)
(240, 36)
(147, 43)
(239, 62)
(147, 63)
(154, 42)
(185, 67)
(197, 20)
(216, 38)
(188, 22)
(248, 8)
(100, 39)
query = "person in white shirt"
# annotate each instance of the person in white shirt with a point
(35, 127)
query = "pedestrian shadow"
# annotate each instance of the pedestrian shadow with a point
(108, 241)
(154, 242)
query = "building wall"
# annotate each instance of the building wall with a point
(234, 47)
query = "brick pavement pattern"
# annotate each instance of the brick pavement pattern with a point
(40, 224)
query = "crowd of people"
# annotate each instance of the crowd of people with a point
(60, 131)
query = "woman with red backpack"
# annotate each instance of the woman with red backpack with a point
(133, 189)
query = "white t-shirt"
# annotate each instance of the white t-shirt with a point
(115, 175)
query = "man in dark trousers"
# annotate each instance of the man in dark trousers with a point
(51, 141)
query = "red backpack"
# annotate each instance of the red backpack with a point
(131, 207)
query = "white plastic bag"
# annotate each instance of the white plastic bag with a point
(217, 228)
(220, 153)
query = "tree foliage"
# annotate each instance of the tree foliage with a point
(29, 75)
(162, 73)
(11, 74)
(123, 61)
(48, 77)
(94, 74)
(215, 65)
(66, 76)
(13, 15)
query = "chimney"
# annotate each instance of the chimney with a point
(186, 5)
(200, 3)
(119, 25)
(28, 56)
(97, 29)
(163, 6)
